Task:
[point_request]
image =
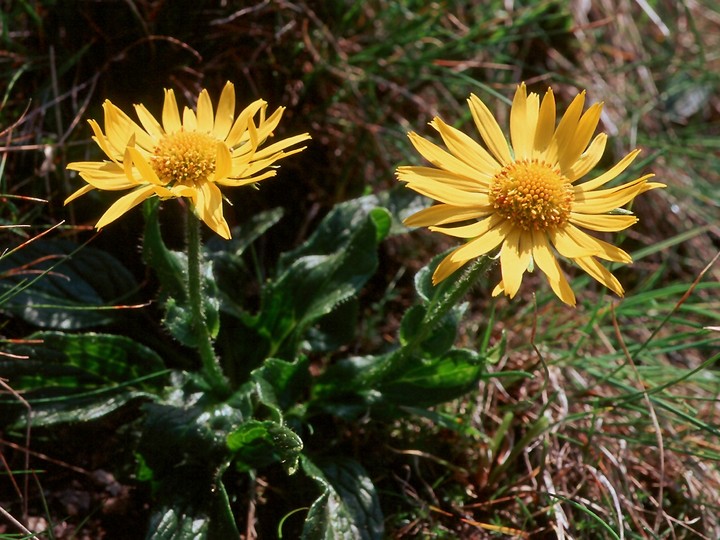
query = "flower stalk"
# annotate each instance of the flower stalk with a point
(211, 369)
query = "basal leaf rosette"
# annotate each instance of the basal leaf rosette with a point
(527, 197)
(190, 156)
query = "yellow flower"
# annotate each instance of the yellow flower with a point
(526, 198)
(183, 157)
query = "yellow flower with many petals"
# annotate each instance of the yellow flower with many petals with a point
(526, 197)
(188, 156)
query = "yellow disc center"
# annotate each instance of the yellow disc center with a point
(185, 157)
(532, 194)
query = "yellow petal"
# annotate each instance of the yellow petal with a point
(170, 113)
(225, 112)
(436, 185)
(442, 159)
(601, 249)
(275, 149)
(79, 193)
(205, 119)
(446, 268)
(446, 178)
(470, 231)
(546, 261)
(244, 181)
(189, 120)
(146, 171)
(563, 136)
(514, 259)
(489, 130)
(611, 173)
(545, 124)
(466, 149)
(571, 245)
(238, 132)
(601, 274)
(604, 200)
(442, 214)
(523, 122)
(588, 160)
(209, 208)
(104, 175)
(603, 222)
(483, 244)
(125, 203)
(103, 143)
(148, 122)
(499, 289)
(570, 153)
(223, 162)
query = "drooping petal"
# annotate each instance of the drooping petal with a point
(489, 130)
(79, 193)
(601, 274)
(546, 261)
(146, 171)
(600, 248)
(515, 255)
(208, 207)
(485, 243)
(125, 203)
(570, 245)
(447, 267)
(223, 162)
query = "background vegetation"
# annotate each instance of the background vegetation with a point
(601, 421)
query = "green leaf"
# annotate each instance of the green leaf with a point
(57, 284)
(289, 380)
(179, 320)
(168, 266)
(316, 283)
(192, 506)
(257, 444)
(79, 377)
(428, 382)
(348, 507)
(440, 340)
(337, 229)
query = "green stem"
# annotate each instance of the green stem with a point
(211, 365)
(447, 295)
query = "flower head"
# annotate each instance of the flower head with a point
(527, 197)
(188, 156)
